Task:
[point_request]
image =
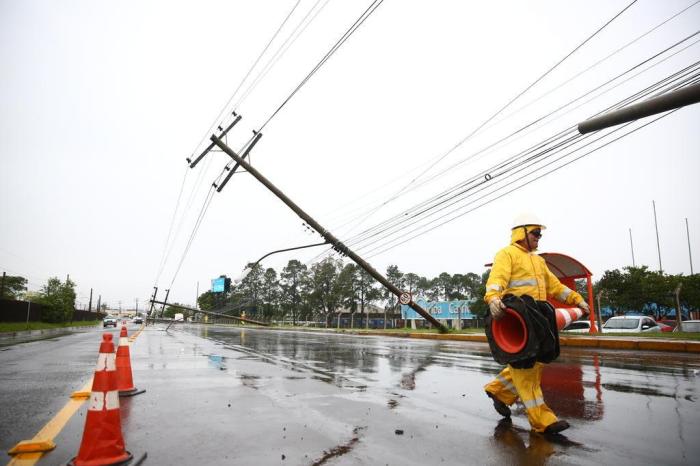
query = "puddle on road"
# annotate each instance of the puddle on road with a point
(526, 447)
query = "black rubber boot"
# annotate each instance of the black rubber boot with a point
(500, 407)
(556, 427)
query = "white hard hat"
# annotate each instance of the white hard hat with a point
(525, 219)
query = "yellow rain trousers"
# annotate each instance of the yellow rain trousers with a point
(519, 272)
(512, 384)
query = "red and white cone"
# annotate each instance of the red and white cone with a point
(102, 442)
(125, 380)
(566, 315)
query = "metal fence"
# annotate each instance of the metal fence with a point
(23, 311)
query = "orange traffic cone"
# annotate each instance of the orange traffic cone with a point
(102, 442)
(125, 381)
(566, 315)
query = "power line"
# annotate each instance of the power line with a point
(528, 182)
(351, 30)
(544, 117)
(398, 220)
(485, 186)
(282, 49)
(510, 102)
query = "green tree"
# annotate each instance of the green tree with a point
(207, 301)
(294, 283)
(251, 289)
(58, 300)
(347, 286)
(12, 287)
(636, 288)
(367, 292)
(411, 282)
(325, 295)
(174, 308)
(270, 293)
(478, 306)
(433, 290)
(690, 293)
(396, 278)
(443, 282)
(474, 286)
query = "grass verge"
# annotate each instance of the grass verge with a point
(22, 326)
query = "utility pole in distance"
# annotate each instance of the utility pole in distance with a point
(690, 255)
(656, 226)
(404, 297)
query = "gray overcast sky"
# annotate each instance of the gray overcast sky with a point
(101, 102)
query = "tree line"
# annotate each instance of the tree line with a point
(316, 293)
(56, 297)
(650, 292)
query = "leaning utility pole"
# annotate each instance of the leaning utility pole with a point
(404, 297)
(671, 100)
(162, 309)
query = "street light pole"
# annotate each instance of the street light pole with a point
(690, 255)
(328, 236)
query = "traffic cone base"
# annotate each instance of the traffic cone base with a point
(132, 392)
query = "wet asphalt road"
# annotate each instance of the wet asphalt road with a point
(220, 395)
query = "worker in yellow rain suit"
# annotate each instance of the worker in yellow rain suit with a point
(518, 270)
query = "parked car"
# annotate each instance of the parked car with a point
(579, 326)
(109, 320)
(630, 324)
(690, 326)
(664, 327)
(671, 322)
(137, 320)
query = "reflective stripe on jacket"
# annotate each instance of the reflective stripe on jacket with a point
(519, 272)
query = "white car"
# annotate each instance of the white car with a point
(630, 324)
(579, 326)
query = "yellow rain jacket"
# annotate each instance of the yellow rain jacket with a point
(517, 271)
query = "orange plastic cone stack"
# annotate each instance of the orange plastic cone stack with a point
(567, 315)
(125, 380)
(102, 442)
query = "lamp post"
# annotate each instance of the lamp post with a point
(250, 266)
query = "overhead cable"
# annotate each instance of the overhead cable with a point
(351, 30)
(510, 102)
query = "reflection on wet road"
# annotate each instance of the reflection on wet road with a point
(625, 408)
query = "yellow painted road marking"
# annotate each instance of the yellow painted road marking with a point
(52, 428)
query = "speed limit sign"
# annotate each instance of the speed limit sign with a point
(405, 297)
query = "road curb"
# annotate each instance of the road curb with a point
(643, 344)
